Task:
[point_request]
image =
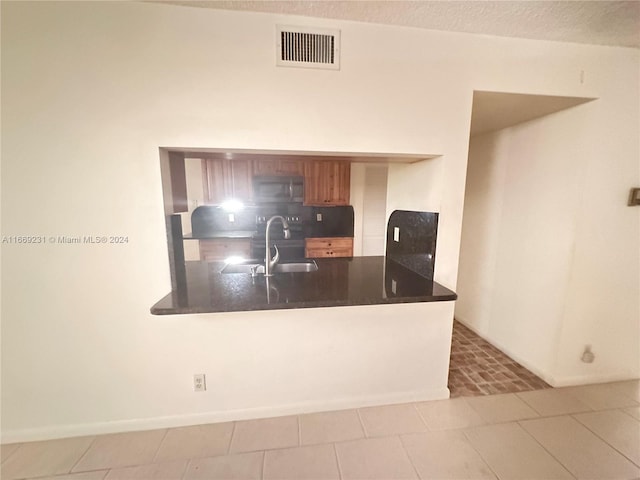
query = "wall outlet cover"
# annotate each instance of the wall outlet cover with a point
(199, 382)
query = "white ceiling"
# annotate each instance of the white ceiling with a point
(598, 22)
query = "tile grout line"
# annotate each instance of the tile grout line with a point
(364, 429)
(540, 414)
(12, 453)
(404, 449)
(95, 438)
(601, 437)
(470, 443)
(184, 474)
(623, 410)
(518, 422)
(335, 452)
(233, 432)
(164, 437)
(415, 406)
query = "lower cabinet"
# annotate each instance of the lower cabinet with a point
(328, 247)
(220, 249)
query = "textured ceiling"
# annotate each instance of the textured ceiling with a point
(592, 22)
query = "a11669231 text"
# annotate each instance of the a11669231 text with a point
(65, 239)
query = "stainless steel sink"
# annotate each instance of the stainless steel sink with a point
(244, 267)
(303, 266)
(295, 267)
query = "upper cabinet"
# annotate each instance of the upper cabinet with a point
(226, 179)
(327, 182)
(278, 167)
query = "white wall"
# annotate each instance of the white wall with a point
(91, 90)
(356, 199)
(369, 201)
(527, 282)
(195, 196)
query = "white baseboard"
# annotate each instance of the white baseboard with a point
(119, 426)
(589, 379)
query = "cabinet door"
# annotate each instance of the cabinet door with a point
(265, 167)
(213, 175)
(341, 183)
(327, 182)
(241, 174)
(226, 179)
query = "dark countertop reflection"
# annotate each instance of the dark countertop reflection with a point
(338, 282)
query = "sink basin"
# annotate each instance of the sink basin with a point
(294, 267)
(244, 267)
(303, 266)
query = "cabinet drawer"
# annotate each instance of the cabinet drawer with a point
(212, 250)
(329, 247)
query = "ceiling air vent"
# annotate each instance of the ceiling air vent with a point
(308, 47)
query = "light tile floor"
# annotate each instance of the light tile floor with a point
(590, 432)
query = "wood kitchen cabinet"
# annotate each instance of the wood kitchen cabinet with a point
(278, 167)
(328, 247)
(327, 182)
(226, 179)
(220, 249)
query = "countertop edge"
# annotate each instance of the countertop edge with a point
(374, 280)
(291, 306)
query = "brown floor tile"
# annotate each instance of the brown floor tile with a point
(478, 368)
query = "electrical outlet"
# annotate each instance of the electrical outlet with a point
(232, 218)
(199, 382)
(396, 234)
(318, 217)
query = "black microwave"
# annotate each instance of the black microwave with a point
(278, 189)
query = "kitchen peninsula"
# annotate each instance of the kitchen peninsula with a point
(358, 331)
(404, 275)
(337, 282)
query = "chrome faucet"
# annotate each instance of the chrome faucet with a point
(270, 263)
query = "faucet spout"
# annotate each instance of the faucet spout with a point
(270, 263)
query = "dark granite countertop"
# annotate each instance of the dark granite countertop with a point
(338, 282)
(221, 234)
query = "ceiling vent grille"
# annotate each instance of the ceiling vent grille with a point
(308, 47)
